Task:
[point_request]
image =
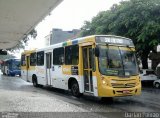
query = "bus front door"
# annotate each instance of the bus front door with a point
(87, 69)
(48, 68)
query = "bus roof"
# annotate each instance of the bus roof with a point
(28, 51)
(74, 41)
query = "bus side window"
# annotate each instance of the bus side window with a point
(71, 55)
(23, 61)
(33, 59)
(40, 58)
(58, 56)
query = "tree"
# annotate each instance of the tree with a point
(135, 19)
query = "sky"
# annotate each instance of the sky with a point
(68, 15)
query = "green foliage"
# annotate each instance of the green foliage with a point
(135, 19)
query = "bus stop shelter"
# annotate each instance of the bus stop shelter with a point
(19, 17)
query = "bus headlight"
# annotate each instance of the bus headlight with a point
(104, 81)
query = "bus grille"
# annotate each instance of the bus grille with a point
(127, 85)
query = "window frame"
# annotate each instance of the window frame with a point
(57, 57)
(42, 61)
(35, 58)
(72, 55)
(23, 60)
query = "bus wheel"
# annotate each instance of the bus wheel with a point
(34, 80)
(75, 89)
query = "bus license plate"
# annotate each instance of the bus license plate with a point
(125, 91)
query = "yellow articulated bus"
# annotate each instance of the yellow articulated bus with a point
(99, 65)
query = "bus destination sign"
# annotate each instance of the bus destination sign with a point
(114, 40)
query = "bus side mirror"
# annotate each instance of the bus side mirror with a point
(97, 52)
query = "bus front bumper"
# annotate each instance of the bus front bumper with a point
(107, 91)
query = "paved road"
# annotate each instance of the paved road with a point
(17, 95)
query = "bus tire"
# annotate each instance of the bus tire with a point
(34, 80)
(75, 89)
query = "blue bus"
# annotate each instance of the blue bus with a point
(11, 67)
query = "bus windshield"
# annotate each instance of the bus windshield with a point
(117, 61)
(16, 65)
